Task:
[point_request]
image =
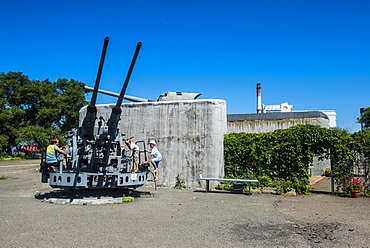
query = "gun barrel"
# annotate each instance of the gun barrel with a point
(98, 76)
(116, 111)
(126, 97)
(124, 87)
(87, 128)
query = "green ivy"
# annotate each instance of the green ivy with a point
(285, 155)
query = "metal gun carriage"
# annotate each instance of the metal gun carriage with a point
(97, 160)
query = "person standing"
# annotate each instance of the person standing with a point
(155, 157)
(134, 153)
(52, 152)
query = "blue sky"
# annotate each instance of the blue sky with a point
(313, 54)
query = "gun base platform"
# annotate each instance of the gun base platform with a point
(97, 180)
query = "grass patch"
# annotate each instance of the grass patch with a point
(7, 158)
(127, 199)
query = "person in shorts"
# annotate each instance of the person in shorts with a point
(134, 153)
(155, 157)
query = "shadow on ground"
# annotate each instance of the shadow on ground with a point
(88, 193)
(219, 192)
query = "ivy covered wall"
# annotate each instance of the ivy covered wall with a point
(284, 154)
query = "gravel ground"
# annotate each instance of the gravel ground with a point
(177, 218)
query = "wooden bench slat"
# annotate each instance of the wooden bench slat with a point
(228, 179)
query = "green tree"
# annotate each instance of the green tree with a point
(31, 110)
(362, 142)
(364, 119)
(361, 146)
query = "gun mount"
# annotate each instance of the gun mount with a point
(97, 160)
(167, 96)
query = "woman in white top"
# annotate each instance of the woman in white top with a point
(134, 153)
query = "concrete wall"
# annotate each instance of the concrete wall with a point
(189, 134)
(269, 122)
(264, 126)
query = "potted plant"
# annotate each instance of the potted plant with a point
(328, 172)
(353, 186)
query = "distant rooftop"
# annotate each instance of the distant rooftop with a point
(276, 116)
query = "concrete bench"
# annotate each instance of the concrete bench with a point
(230, 180)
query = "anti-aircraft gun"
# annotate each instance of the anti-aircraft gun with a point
(97, 160)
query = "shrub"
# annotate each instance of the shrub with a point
(286, 154)
(180, 182)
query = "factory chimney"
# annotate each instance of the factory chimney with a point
(259, 99)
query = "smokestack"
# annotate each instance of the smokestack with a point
(259, 99)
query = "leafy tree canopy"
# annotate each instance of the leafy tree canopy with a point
(364, 119)
(32, 110)
(361, 142)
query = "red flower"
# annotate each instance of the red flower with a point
(353, 184)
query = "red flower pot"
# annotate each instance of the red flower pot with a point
(355, 193)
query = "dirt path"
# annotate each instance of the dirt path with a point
(177, 218)
(329, 221)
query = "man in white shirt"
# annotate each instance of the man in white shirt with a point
(155, 157)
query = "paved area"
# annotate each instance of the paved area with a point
(177, 218)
